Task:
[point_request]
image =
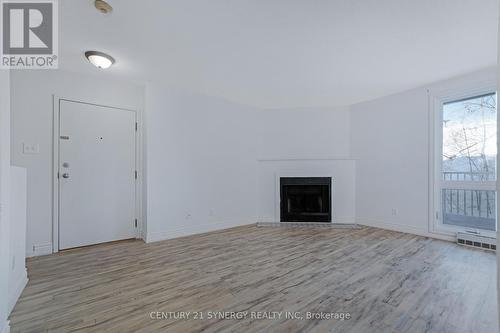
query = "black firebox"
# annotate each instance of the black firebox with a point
(306, 199)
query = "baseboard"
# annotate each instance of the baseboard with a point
(266, 220)
(5, 328)
(15, 292)
(193, 230)
(341, 220)
(344, 220)
(40, 250)
(403, 228)
(317, 225)
(180, 232)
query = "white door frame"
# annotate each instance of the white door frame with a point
(55, 166)
(437, 97)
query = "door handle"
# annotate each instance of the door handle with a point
(65, 175)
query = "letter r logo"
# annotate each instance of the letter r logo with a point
(27, 27)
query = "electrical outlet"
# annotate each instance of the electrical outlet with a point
(31, 148)
(188, 216)
(394, 212)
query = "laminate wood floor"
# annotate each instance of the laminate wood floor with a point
(386, 281)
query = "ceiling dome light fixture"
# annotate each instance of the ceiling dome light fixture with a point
(103, 6)
(99, 59)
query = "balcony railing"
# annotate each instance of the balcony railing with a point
(469, 176)
(470, 208)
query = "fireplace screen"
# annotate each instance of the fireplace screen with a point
(305, 199)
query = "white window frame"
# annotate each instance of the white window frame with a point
(437, 98)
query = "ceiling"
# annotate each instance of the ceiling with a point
(284, 53)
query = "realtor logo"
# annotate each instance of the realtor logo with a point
(29, 34)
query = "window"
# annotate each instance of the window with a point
(468, 163)
(469, 139)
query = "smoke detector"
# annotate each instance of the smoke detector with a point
(103, 6)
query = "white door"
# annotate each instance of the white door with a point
(96, 174)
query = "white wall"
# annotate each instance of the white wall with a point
(390, 143)
(32, 122)
(4, 197)
(201, 163)
(304, 133)
(212, 163)
(206, 158)
(216, 160)
(305, 142)
(18, 277)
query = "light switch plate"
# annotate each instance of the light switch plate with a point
(31, 148)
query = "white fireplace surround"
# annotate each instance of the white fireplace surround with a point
(340, 170)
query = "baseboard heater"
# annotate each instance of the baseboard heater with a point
(483, 242)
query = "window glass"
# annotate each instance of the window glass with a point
(469, 139)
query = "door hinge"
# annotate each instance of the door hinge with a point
(437, 215)
(135, 223)
(136, 126)
(57, 174)
(135, 174)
